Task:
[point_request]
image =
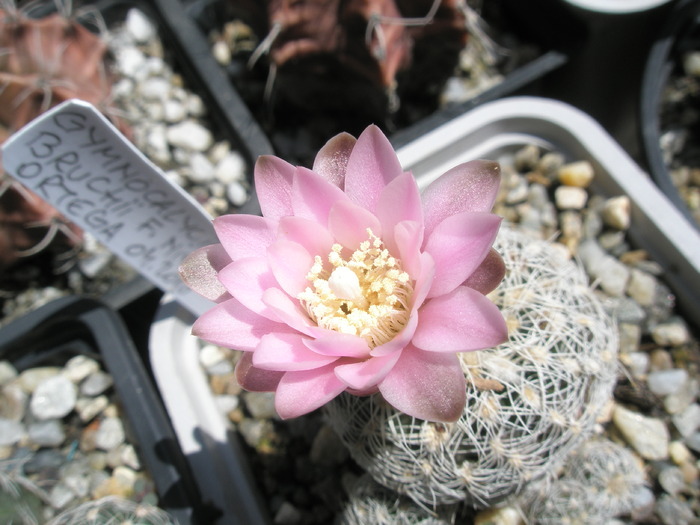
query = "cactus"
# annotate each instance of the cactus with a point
(599, 482)
(112, 509)
(530, 401)
(43, 61)
(21, 501)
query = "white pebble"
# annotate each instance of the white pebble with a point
(648, 436)
(190, 135)
(616, 212)
(666, 382)
(231, 168)
(155, 88)
(642, 287)
(671, 333)
(202, 168)
(10, 432)
(79, 367)
(578, 174)
(174, 111)
(221, 52)
(110, 434)
(691, 63)
(53, 398)
(237, 194)
(688, 421)
(139, 26)
(157, 146)
(47, 433)
(210, 355)
(570, 198)
(130, 61)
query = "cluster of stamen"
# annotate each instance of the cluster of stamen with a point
(366, 294)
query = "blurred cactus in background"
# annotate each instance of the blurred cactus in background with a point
(43, 62)
(530, 402)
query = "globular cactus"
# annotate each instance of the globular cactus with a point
(21, 501)
(530, 401)
(599, 482)
(112, 509)
(369, 502)
(43, 61)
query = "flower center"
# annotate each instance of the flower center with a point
(366, 295)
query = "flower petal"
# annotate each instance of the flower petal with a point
(288, 310)
(338, 345)
(371, 166)
(273, 185)
(332, 159)
(246, 280)
(313, 196)
(232, 325)
(367, 373)
(310, 234)
(400, 201)
(348, 224)
(461, 321)
(287, 352)
(458, 245)
(426, 385)
(245, 235)
(408, 237)
(199, 271)
(255, 379)
(488, 275)
(290, 263)
(299, 393)
(471, 186)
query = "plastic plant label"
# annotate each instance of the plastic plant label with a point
(75, 159)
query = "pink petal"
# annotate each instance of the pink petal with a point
(488, 275)
(255, 379)
(299, 393)
(471, 186)
(232, 325)
(408, 238)
(426, 385)
(372, 165)
(348, 224)
(287, 352)
(199, 271)
(461, 321)
(247, 279)
(338, 345)
(245, 235)
(458, 245)
(288, 310)
(399, 341)
(310, 234)
(332, 159)
(290, 263)
(368, 373)
(313, 196)
(273, 184)
(400, 201)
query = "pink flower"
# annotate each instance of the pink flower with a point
(352, 281)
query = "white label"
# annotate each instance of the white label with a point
(75, 159)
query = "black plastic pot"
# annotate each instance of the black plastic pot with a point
(73, 326)
(680, 33)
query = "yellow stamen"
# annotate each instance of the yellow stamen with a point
(366, 295)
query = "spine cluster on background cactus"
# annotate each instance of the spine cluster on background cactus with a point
(530, 402)
(43, 61)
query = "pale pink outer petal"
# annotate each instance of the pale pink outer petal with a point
(232, 325)
(489, 274)
(338, 345)
(247, 279)
(310, 234)
(332, 159)
(368, 373)
(199, 271)
(313, 196)
(461, 321)
(290, 264)
(348, 224)
(245, 235)
(255, 379)
(458, 245)
(287, 352)
(472, 186)
(372, 165)
(273, 185)
(289, 311)
(299, 393)
(400, 201)
(426, 385)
